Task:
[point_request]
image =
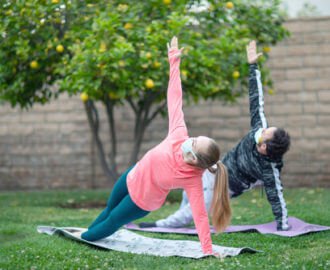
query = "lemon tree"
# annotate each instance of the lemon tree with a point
(34, 40)
(114, 53)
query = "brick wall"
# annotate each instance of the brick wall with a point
(51, 147)
(301, 70)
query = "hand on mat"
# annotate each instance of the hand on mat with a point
(251, 52)
(218, 255)
(147, 224)
(174, 46)
(288, 228)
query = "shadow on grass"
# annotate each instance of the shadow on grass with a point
(84, 205)
(7, 236)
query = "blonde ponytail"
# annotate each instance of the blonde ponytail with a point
(220, 209)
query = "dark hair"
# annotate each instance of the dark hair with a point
(206, 160)
(279, 144)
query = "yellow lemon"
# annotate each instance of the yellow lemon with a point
(229, 5)
(271, 91)
(121, 63)
(34, 64)
(157, 64)
(167, 2)
(84, 97)
(149, 83)
(103, 47)
(235, 74)
(55, 1)
(128, 26)
(113, 95)
(266, 49)
(148, 55)
(59, 48)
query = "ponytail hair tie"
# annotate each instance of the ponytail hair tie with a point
(213, 168)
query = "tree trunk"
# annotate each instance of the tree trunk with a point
(140, 127)
(93, 121)
(112, 136)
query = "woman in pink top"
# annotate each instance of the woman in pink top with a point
(177, 162)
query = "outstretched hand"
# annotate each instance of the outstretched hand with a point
(251, 52)
(173, 45)
(218, 255)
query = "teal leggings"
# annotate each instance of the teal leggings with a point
(120, 210)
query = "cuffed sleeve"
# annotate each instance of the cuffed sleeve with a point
(256, 96)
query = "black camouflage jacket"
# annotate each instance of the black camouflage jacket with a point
(246, 167)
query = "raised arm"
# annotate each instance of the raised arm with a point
(257, 114)
(174, 91)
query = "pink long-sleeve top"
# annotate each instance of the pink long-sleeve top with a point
(163, 168)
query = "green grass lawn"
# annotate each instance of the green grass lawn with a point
(21, 247)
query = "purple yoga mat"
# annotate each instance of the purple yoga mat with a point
(299, 227)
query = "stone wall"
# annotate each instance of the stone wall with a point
(51, 147)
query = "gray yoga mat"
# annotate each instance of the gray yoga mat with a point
(299, 227)
(127, 241)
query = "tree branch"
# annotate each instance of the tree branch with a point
(131, 103)
(156, 112)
